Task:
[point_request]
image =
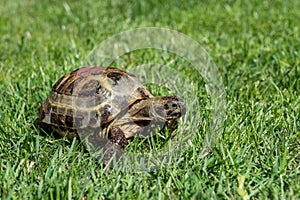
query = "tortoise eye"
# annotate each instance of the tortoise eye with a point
(174, 106)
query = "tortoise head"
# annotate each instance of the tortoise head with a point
(167, 108)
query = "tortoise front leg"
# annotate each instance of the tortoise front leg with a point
(114, 147)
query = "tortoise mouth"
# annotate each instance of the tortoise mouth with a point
(177, 109)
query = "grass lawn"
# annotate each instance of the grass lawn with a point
(254, 44)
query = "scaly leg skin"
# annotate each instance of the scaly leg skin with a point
(172, 126)
(114, 147)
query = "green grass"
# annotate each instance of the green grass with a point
(256, 46)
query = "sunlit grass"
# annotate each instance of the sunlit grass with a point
(256, 48)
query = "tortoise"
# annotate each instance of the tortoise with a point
(105, 103)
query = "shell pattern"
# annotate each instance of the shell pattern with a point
(89, 97)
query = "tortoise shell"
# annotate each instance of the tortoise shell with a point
(108, 102)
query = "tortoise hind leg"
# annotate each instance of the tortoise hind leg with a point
(115, 147)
